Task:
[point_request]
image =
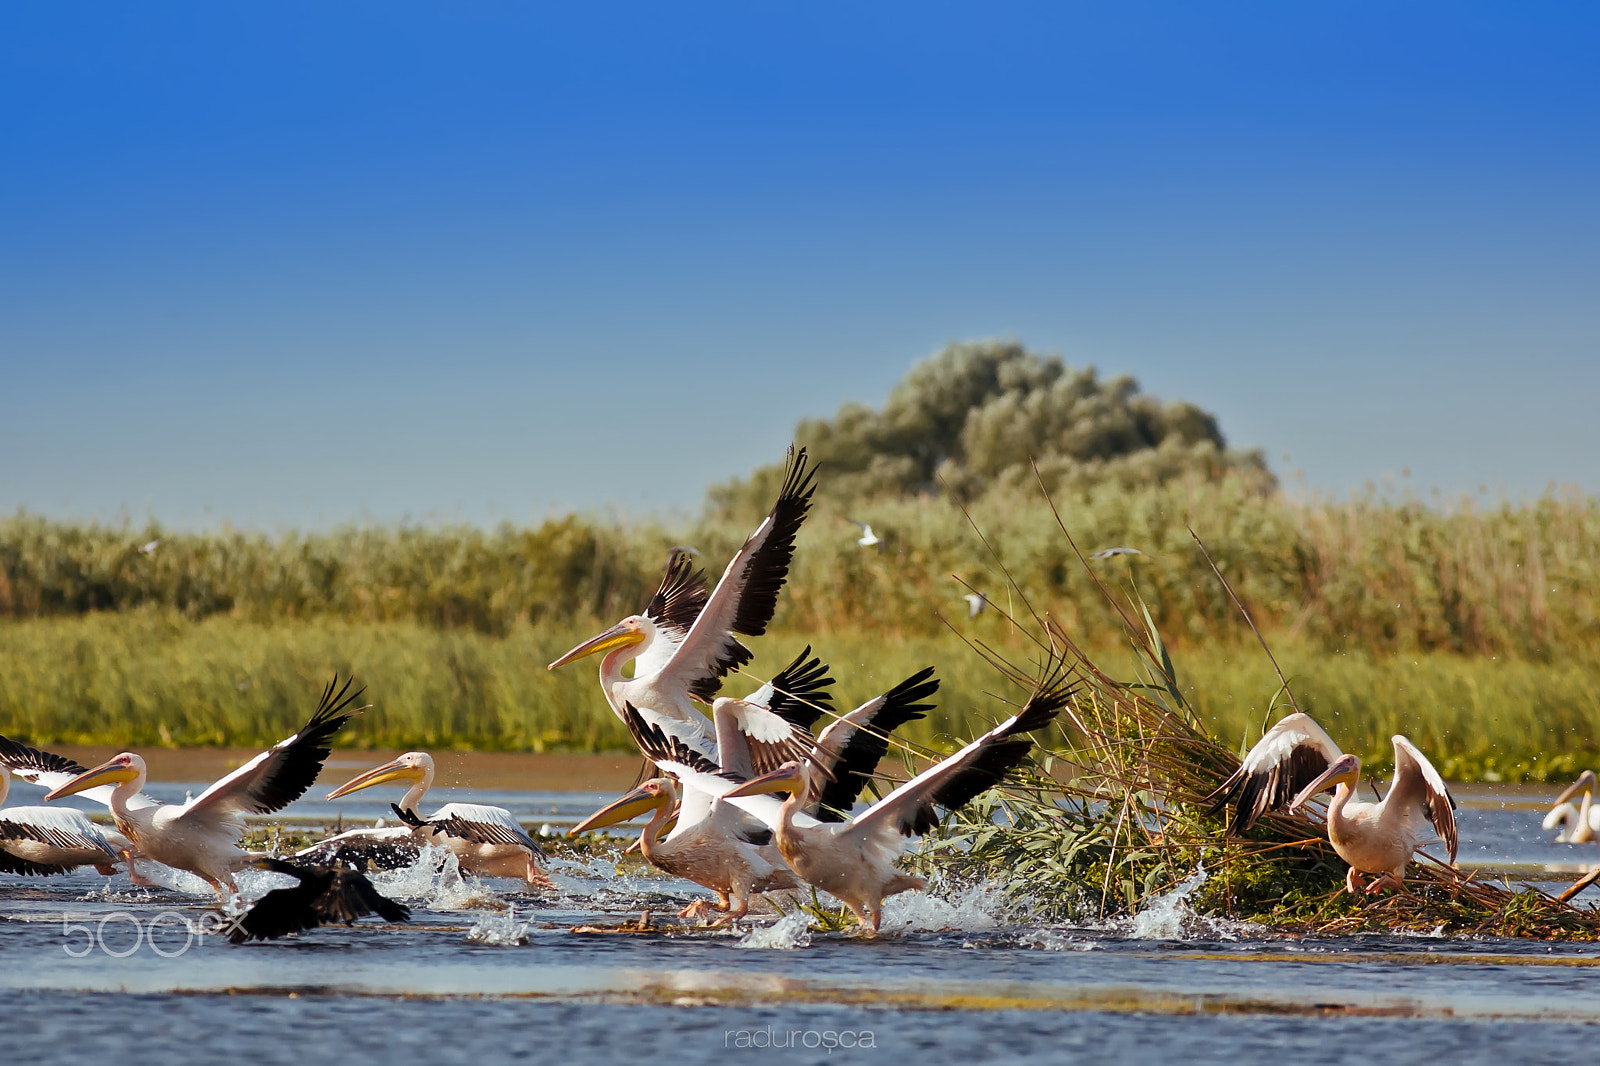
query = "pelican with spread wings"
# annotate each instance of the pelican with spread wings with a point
(685, 643)
(202, 835)
(1295, 760)
(50, 840)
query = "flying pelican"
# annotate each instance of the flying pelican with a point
(1295, 760)
(854, 859)
(735, 861)
(1580, 824)
(325, 894)
(486, 841)
(202, 836)
(976, 602)
(684, 643)
(868, 539)
(50, 840)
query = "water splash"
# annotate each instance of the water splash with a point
(1169, 916)
(435, 878)
(786, 934)
(499, 930)
(972, 909)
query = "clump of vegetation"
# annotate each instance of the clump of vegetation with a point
(1120, 814)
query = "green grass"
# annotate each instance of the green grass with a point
(158, 678)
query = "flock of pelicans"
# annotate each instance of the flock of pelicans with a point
(746, 800)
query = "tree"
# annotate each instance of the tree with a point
(977, 416)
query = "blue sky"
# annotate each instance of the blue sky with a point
(296, 264)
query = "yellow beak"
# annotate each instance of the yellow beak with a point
(632, 805)
(389, 771)
(618, 636)
(1346, 770)
(784, 779)
(105, 774)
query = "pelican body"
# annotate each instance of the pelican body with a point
(202, 835)
(486, 841)
(50, 840)
(715, 850)
(1579, 823)
(1295, 760)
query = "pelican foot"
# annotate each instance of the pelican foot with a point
(700, 908)
(1352, 882)
(1386, 881)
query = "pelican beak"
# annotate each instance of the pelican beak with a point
(1584, 783)
(785, 778)
(618, 636)
(632, 805)
(1346, 769)
(107, 773)
(389, 771)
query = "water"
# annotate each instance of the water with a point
(486, 971)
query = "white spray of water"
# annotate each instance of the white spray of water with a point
(1169, 916)
(787, 933)
(973, 909)
(499, 929)
(436, 878)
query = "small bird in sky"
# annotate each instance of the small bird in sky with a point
(685, 549)
(150, 548)
(976, 602)
(1109, 552)
(868, 538)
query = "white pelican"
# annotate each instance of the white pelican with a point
(325, 894)
(202, 836)
(50, 840)
(684, 644)
(1580, 824)
(714, 845)
(853, 860)
(1295, 760)
(868, 538)
(486, 841)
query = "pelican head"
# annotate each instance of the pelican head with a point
(656, 792)
(790, 777)
(413, 766)
(634, 629)
(1346, 770)
(1584, 783)
(116, 770)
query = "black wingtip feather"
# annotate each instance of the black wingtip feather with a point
(768, 566)
(19, 756)
(659, 746)
(681, 595)
(800, 691)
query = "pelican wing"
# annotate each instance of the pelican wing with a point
(1418, 786)
(50, 771)
(675, 606)
(324, 894)
(279, 776)
(754, 740)
(910, 809)
(747, 595)
(798, 693)
(1287, 758)
(483, 825)
(695, 771)
(56, 827)
(848, 751)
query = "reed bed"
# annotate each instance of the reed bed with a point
(1118, 811)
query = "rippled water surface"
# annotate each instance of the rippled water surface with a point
(485, 971)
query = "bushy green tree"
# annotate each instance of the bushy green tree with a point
(977, 415)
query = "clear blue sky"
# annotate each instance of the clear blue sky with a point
(295, 263)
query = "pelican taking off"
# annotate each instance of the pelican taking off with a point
(854, 860)
(202, 836)
(1295, 760)
(486, 841)
(1579, 823)
(684, 643)
(50, 840)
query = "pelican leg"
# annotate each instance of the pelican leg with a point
(1352, 882)
(1388, 880)
(536, 877)
(737, 905)
(702, 908)
(134, 875)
